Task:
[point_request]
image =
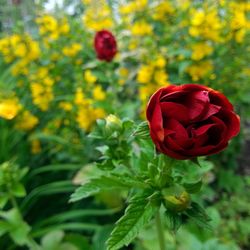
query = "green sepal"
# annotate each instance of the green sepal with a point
(193, 187)
(173, 220)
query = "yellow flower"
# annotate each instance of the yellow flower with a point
(133, 6)
(160, 61)
(198, 71)
(198, 18)
(20, 50)
(200, 50)
(206, 24)
(89, 77)
(35, 146)
(161, 77)
(41, 95)
(66, 106)
(144, 74)
(141, 28)
(26, 121)
(163, 10)
(98, 93)
(98, 16)
(72, 50)
(9, 108)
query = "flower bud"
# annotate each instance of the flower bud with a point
(113, 123)
(177, 203)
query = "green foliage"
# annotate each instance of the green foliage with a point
(137, 215)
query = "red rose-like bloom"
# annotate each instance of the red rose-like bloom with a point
(105, 45)
(191, 120)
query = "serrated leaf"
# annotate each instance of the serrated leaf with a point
(137, 215)
(174, 220)
(142, 130)
(101, 183)
(193, 187)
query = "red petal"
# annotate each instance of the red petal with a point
(201, 130)
(219, 99)
(197, 103)
(231, 121)
(212, 110)
(174, 110)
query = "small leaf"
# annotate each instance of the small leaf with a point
(18, 190)
(3, 200)
(193, 187)
(102, 183)
(142, 130)
(196, 161)
(174, 220)
(137, 215)
(18, 229)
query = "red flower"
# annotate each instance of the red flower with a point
(191, 120)
(105, 45)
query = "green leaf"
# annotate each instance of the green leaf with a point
(3, 200)
(142, 130)
(18, 190)
(196, 161)
(99, 184)
(137, 215)
(52, 239)
(4, 227)
(174, 220)
(18, 229)
(193, 187)
(199, 215)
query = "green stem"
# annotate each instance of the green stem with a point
(160, 231)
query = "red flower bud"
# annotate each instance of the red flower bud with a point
(105, 45)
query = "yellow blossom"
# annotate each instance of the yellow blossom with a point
(9, 108)
(98, 93)
(144, 74)
(66, 106)
(200, 50)
(163, 10)
(161, 77)
(89, 77)
(160, 61)
(35, 146)
(98, 16)
(141, 28)
(198, 71)
(72, 50)
(26, 121)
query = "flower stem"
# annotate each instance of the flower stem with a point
(160, 231)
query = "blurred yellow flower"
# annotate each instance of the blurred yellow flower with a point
(163, 10)
(9, 108)
(97, 16)
(72, 50)
(35, 146)
(144, 74)
(26, 121)
(89, 77)
(200, 50)
(141, 28)
(66, 106)
(98, 93)
(200, 70)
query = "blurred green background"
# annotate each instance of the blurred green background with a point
(53, 89)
